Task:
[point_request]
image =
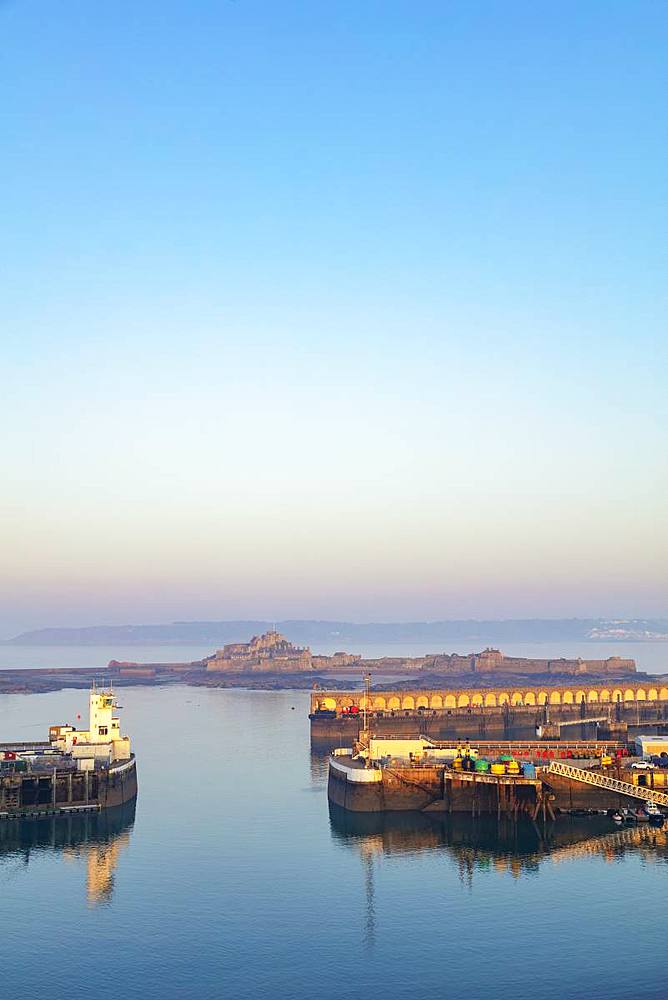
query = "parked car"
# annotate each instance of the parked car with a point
(642, 765)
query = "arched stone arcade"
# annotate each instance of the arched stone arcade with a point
(477, 699)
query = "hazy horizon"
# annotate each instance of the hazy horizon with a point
(285, 623)
(353, 311)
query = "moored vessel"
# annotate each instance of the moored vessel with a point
(653, 814)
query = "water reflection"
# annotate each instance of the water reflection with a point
(487, 843)
(319, 764)
(96, 839)
(484, 845)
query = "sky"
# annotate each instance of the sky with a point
(347, 310)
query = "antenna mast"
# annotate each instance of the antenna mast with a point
(367, 695)
(365, 735)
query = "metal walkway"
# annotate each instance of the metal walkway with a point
(604, 781)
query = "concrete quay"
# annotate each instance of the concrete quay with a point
(398, 786)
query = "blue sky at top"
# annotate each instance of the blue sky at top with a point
(346, 309)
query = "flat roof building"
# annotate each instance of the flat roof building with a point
(652, 746)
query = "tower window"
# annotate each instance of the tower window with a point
(102, 730)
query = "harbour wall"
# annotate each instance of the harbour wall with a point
(435, 788)
(480, 722)
(515, 696)
(501, 713)
(64, 790)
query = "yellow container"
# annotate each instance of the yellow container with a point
(457, 764)
(513, 767)
(498, 769)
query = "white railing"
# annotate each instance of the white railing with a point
(605, 781)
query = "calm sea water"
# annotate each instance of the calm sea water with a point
(233, 880)
(649, 656)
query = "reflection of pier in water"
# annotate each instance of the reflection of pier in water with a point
(95, 838)
(486, 843)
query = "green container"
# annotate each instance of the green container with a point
(482, 765)
(13, 766)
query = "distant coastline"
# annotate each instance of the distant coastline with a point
(305, 631)
(272, 662)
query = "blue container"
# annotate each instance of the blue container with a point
(529, 770)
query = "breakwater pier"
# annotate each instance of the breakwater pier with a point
(504, 712)
(75, 771)
(398, 774)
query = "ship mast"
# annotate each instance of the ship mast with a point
(365, 734)
(367, 691)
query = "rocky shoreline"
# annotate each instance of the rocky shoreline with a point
(43, 680)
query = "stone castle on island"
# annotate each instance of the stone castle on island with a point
(270, 652)
(273, 653)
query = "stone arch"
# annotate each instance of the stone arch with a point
(592, 695)
(393, 702)
(379, 703)
(503, 698)
(652, 694)
(641, 694)
(663, 694)
(567, 698)
(450, 701)
(530, 698)
(463, 700)
(580, 696)
(363, 702)
(436, 701)
(604, 694)
(408, 701)
(629, 695)
(490, 699)
(516, 698)
(476, 699)
(555, 697)
(422, 701)
(617, 695)
(542, 697)
(327, 704)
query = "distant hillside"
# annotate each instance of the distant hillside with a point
(346, 634)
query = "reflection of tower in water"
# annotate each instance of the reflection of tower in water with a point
(100, 867)
(367, 852)
(101, 859)
(94, 839)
